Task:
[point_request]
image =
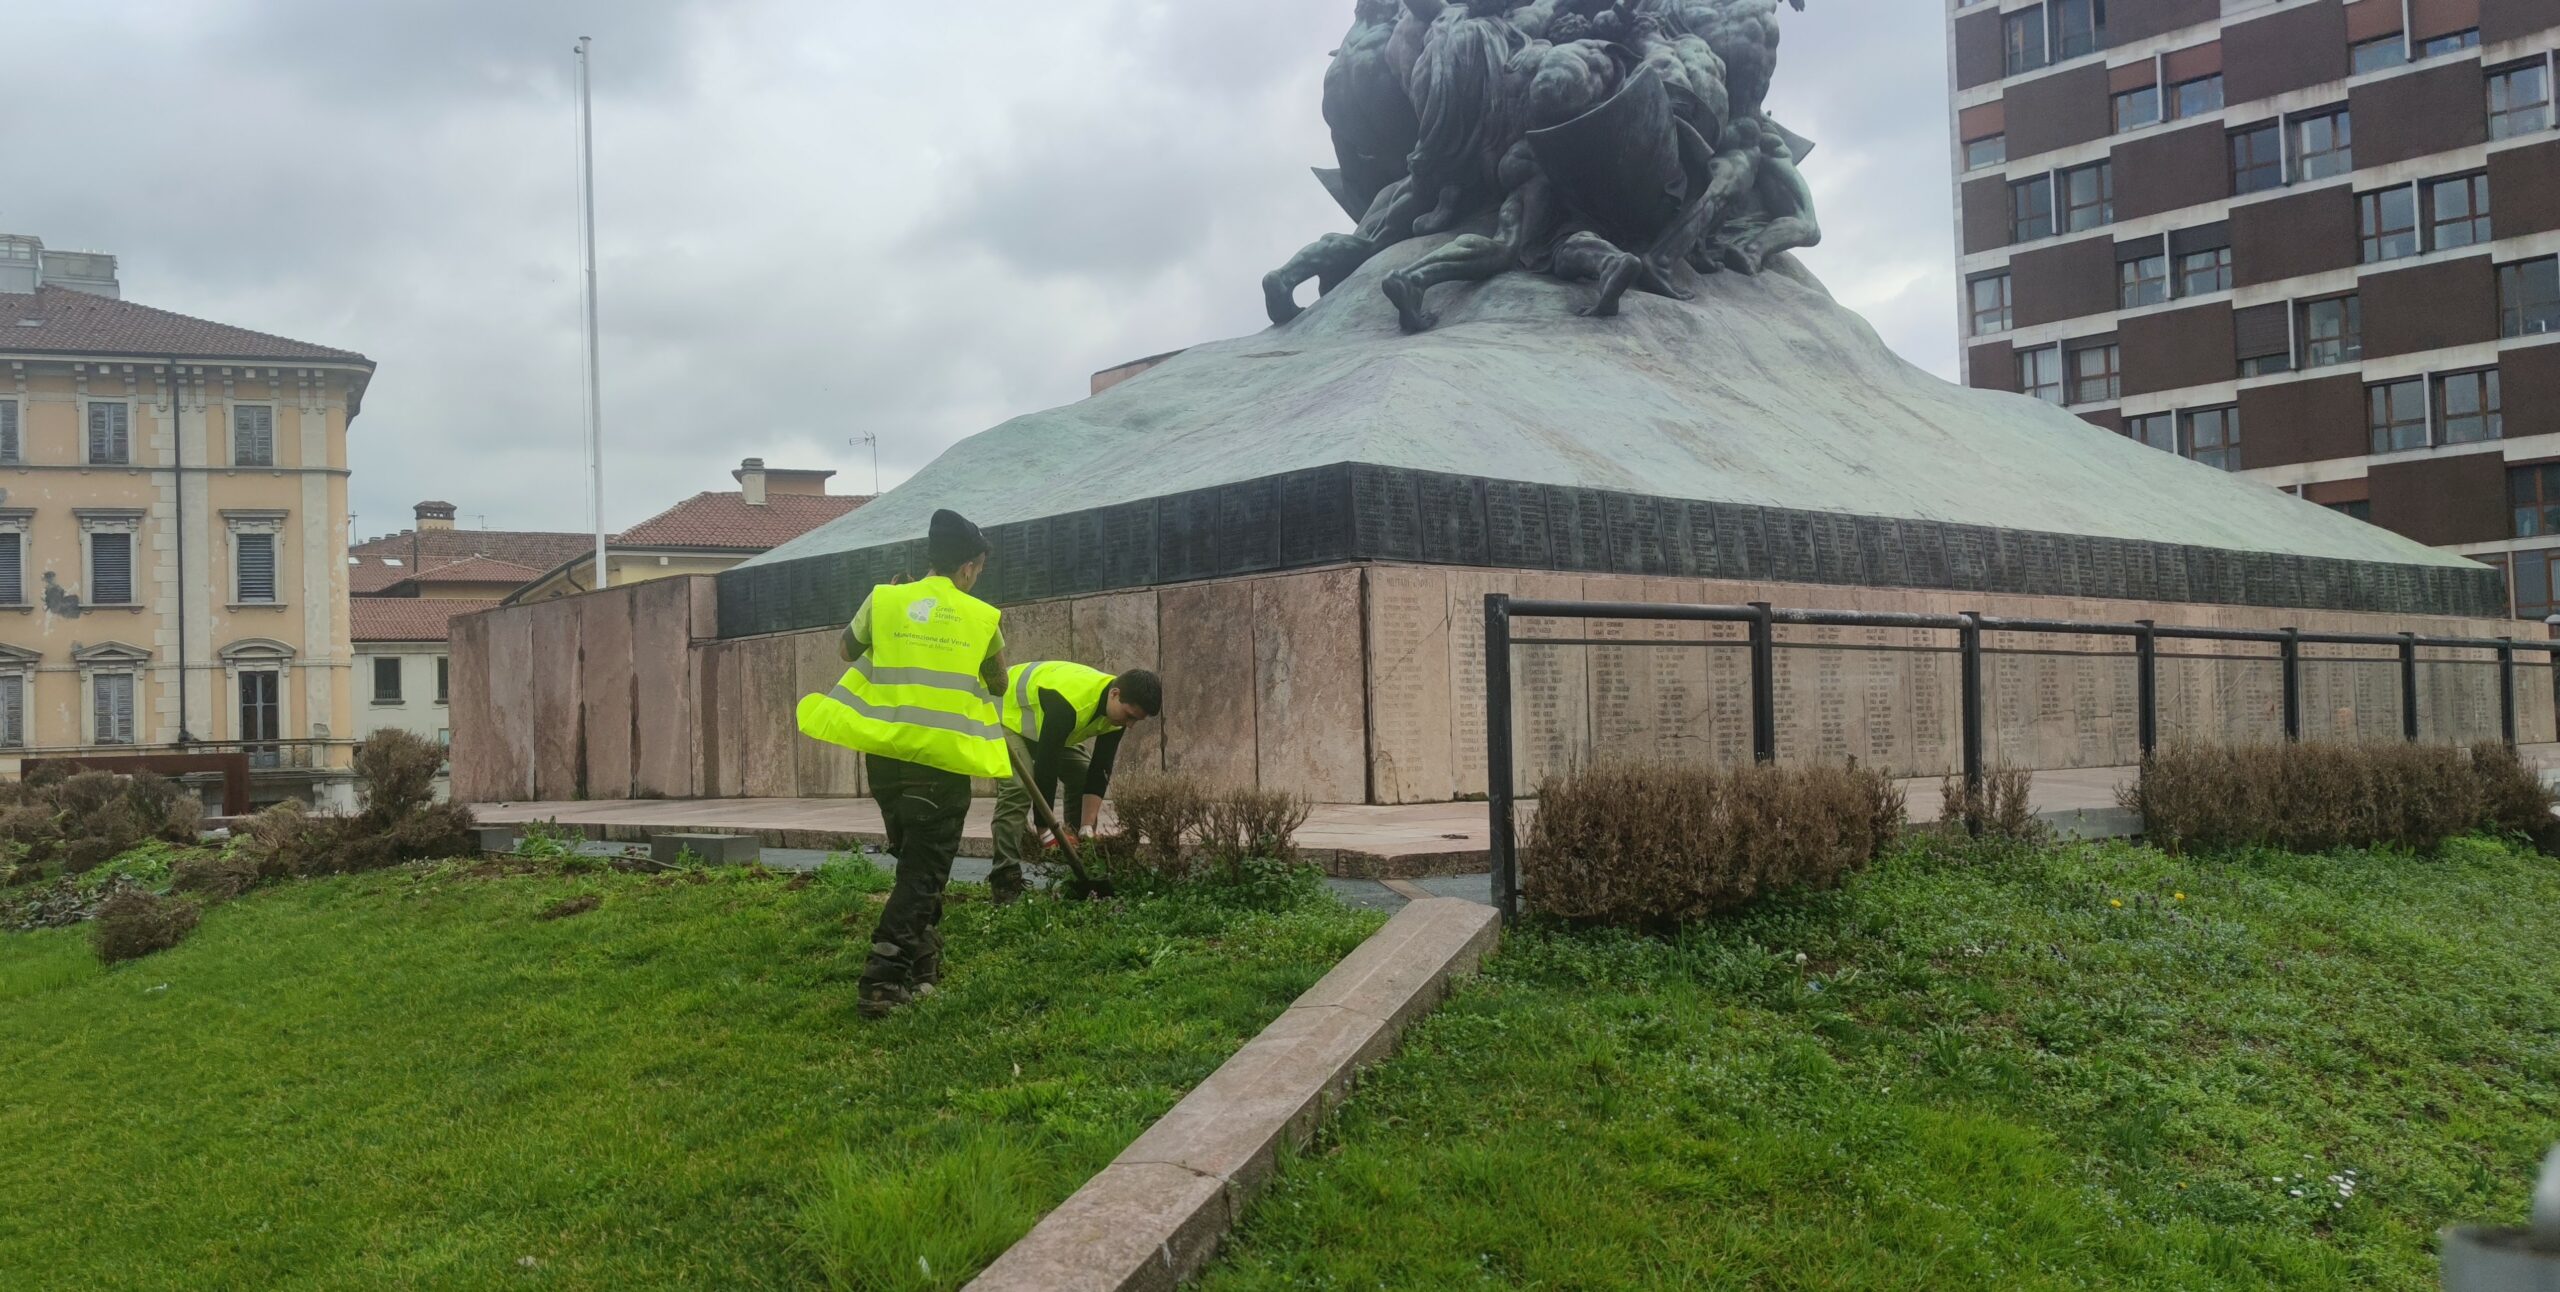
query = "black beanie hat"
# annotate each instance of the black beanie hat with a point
(953, 542)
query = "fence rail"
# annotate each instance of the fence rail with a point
(1762, 620)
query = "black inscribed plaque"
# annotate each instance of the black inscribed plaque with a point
(1453, 522)
(1315, 519)
(1187, 535)
(835, 594)
(1700, 556)
(2169, 576)
(1516, 525)
(1836, 553)
(1635, 533)
(1792, 542)
(1121, 540)
(1248, 526)
(1924, 554)
(1387, 514)
(1742, 541)
(1577, 529)
(1878, 551)
(1020, 566)
(1968, 557)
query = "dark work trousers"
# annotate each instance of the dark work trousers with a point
(924, 809)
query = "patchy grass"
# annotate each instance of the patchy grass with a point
(409, 1079)
(2010, 1068)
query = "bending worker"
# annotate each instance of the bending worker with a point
(919, 703)
(1057, 706)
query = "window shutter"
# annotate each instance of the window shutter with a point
(2263, 332)
(253, 437)
(13, 711)
(2203, 237)
(257, 567)
(111, 569)
(109, 441)
(13, 588)
(8, 430)
(124, 708)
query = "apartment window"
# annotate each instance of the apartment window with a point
(2396, 412)
(2157, 430)
(2323, 145)
(1990, 295)
(2031, 209)
(2519, 100)
(2332, 331)
(110, 433)
(2450, 44)
(9, 448)
(2264, 334)
(2213, 437)
(2360, 509)
(2535, 492)
(2257, 159)
(2097, 373)
(2457, 211)
(2529, 297)
(2379, 53)
(1979, 153)
(111, 707)
(2024, 33)
(110, 568)
(2089, 196)
(2040, 373)
(2467, 407)
(13, 710)
(2137, 108)
(2389, 220)
(254, 561)
(2534, 571)
(13, 568)
(2205, 271)
(444, 679)
(2197, 97)
(2142, 277)
(2077, 27)
(386, 679)
(253, 436)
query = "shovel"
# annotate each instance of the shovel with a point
(1048, 817)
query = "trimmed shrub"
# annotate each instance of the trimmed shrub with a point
(1242, 824)
(217, 878)
(1653, 846)
(132, 923)
(1159, 818)
(2318, 795)
(2004, 804)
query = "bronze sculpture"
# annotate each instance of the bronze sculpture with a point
(1602, 141)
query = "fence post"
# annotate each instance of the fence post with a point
(1503, 843)
(1764, 683)
(2409, 687)
(2507, 690)
(2291, 650)
(1969, 652)
(2146, 687)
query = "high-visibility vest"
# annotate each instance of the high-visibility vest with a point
(916, 694)
(1080, 686)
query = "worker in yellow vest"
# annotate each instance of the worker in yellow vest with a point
(919, 703)
(1058, 707)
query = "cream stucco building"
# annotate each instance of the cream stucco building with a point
(173, 531)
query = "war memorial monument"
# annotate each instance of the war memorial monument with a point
(1563, 348)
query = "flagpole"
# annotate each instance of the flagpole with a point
(595, 377)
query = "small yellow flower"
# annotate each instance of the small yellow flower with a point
(2115, 901)
(2180, 896)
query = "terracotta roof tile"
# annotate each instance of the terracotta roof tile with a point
(409, 619)
(722, 521)
(69, 322)
(476, 569)
(428, 548)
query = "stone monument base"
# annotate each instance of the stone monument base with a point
(1363, 683)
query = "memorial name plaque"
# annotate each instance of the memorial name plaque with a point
(1516, 524)
(1315, 521)
(1386, 513)
(1578, 528)
(1453, 519)
(1248, 531)
(1187, 535)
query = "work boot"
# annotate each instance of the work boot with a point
(880, 1001)
(1006, 888)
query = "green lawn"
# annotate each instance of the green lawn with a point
(408, 1080)
(2044, 1071)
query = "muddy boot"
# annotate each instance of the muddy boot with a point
(1005, 886)
(881, 1000)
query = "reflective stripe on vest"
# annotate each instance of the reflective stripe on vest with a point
(1081, 686)
(916, 694)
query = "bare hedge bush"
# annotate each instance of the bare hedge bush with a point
(1652, 846)
(1160, 818)
(132, 923)
(400, 822)
(2320, 795)
(1242, 824)
(2004, 804)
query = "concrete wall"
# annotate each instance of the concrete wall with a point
(1364, 684)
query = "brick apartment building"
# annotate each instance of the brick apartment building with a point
(2316, 242)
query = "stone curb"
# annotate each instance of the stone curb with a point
(1152, 1217)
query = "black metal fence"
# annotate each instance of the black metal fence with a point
(1762, 621)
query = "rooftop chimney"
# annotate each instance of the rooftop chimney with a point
(435, 515)
(750, 478)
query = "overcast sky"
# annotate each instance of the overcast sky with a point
(817, 219)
